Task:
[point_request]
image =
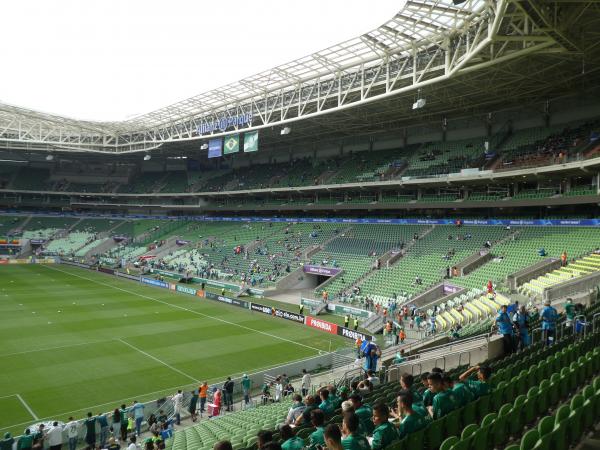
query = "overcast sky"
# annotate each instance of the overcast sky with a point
(112, 59)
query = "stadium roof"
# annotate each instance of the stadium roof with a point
(428, 41)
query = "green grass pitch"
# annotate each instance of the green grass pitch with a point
(73, 340)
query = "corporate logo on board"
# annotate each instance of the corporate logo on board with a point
(322, 325)
(289, 315)
(351, 334)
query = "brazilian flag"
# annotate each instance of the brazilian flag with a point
(232, 144)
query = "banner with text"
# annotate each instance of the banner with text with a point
(228, 300)
(318, 270)
(153, 282)
(322, 325)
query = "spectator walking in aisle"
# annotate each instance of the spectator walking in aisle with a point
(549, 318)
(505, 328)
(202, 394)
(372, 354)
(305, 382)
(193, 408)
(177, 400)
(26, 441)
(90, 430)
(54, 436)
(138, 415)
(521, 322)
(246, 386)
(228, 387)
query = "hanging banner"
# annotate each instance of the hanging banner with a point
(251, 142)
(232, 144)
(215, 147)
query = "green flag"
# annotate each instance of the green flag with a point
(251, 142)
(232, 144)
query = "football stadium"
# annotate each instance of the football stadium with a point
(392, 243)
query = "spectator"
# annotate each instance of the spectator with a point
(124, 422)
(177, 400)
(202, 394)
(326, 405)
(116, 423)
(443, 400)
(104, 429)
(505, 328)
(521, 324)
(7, 442)
(132, 443)
(90, 430)
(384, 433)
(407, 382)
(228, 394)
(193, 408)
(138, 414)
(295, 411)
(289, 440)
(352, 439)
(246, 385)
(549, 317)
(304, 418)
(54, 436)
(112, 444)
(480, 387)
(462, 395)
(305, 382)
(410, 421)
(222, 445)
(26, 441)
(264, 436)
(372, 378)
(317, 419)
(333, 437)
(372, 354)
(364, 413)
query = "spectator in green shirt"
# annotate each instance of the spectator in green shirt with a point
(364, 413)
(462, 394)
(333, 397)
(427, 396)
(480, 387)
(246, 384)
(317, 418)
(384, 433)
(289, 439)
(570, 311)
(25, 441)
(352, 438)
(333, 437)
(411, 420)
(407, 382)
(443, 400)
(90, 430)
(124, 422)
(326, 406)
(7, 442)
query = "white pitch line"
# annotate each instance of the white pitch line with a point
(27, 407)
(51, 348)
(188, 310)
(158, 360)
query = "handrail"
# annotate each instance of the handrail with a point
(594, 317)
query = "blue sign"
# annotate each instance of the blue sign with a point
(153, 282)
(225, 122)
(215, 147)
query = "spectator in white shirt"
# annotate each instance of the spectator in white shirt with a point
(132, 444)
(278, 389)
(305, 383)
(72, 428)
(54, 435)
(177, 405)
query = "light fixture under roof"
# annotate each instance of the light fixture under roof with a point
(147, 157)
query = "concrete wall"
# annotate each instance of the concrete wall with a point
(570, 287)
(531, 272)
